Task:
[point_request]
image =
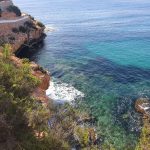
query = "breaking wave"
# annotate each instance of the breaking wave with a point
(62, 92)
(50, 28)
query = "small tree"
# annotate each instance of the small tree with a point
(6, 51)
(15, 10)
(22, 29)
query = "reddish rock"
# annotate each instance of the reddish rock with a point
(16, 61)
(142, 105)
(6, 15)
(34, 66)
(40, 95)
(40, 92)
(20, 39)
(44, 78)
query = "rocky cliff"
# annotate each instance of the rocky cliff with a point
(21, 30)
(18, 28)
(50, 128)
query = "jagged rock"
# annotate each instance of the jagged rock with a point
(34, 66)
(30, 33)
(40, 92)
(19, 31)
(142, 105)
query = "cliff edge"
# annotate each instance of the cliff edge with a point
(21, 30)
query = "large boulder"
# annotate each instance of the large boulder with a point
(142, 105)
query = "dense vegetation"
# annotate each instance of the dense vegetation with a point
(14, 9)
(144, 141)
(26, 124)
(40, 24)
(21, 116)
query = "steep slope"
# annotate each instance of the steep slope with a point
(17, 28)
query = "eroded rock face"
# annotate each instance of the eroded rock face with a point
(142, 105)
(40, 92)
(19, 38)
(22, 31)
(19, 31)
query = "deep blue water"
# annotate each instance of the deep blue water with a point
(102, 48)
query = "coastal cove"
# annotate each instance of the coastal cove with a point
(99, 49)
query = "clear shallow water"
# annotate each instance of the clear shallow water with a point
(102, 48)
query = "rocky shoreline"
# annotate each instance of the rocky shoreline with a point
(23, 34)
(26, 32)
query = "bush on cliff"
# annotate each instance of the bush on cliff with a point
(25, 123)
(30, 25)
(40, 24)
(14, 9)
(22, 29)
(15, 30)
(6, 51)
(22, 118)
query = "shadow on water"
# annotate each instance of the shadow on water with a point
(126, 81)
(118, 73)
(122, 108)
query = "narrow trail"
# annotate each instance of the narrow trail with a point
(2, 21)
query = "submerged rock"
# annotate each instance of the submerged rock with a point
(142, 105)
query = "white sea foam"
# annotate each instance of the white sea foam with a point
(50, 28)
(63, 92)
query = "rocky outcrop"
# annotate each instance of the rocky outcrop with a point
(23, 31)
(19, 35)
(5, 14)
(40, 92)
(142, 105)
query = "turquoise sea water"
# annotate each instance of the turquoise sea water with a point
(102, 48)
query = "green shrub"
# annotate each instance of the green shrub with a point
(82, 135)
(22, 29)
(15, 30)
(14, 9)
(6, 51)
(11, 39)
(40, 24)
(31, 17)
(144, 140)
(21, 116)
